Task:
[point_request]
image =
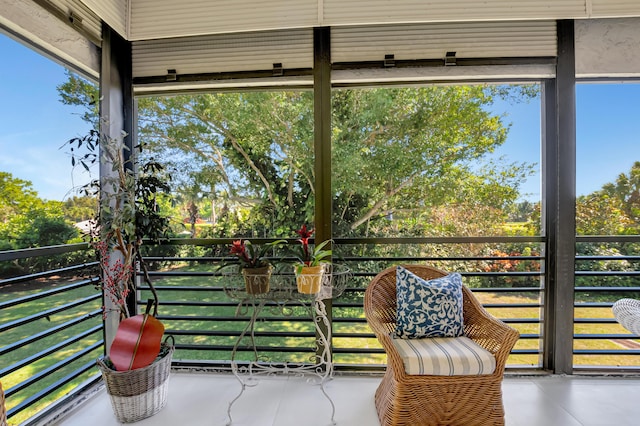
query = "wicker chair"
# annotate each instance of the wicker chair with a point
(627, 313)
(420, 400)
(3, 409)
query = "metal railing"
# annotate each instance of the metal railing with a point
(51, 329)
(195, 309)
(609, 272)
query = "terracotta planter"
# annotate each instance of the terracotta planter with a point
(256, 280)
(309, 279)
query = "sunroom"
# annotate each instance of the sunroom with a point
(286, 113)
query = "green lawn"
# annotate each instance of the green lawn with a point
(288, 322)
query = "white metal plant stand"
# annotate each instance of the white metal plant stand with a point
(283, 293)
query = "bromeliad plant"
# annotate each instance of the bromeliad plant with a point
(251, 256)
(254, 264)
(308, 256)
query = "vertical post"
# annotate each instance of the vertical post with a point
(322, 149)
(116, 116)
(322, 132)
(548, 219)
(560, 211)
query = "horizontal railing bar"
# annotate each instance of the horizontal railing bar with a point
(9, 255)
(634, 352)
(49, 389)
(30, 277)
(78, 391)
(34, 338)
(219, 304)
(227, 333)
(353, 273)
(521, 320)
(440, 259)
(607, 238)
(307, 319)
(438, 240)
(368, 335)
(182, 258)
(347, 320)
(187, 303)
(183, 274)
(593, 304)
(606, 273)
(29, 360)
(52, 369)
(618, 257)
(229, 348)
(367, 240)
(232, 319)
(529, 336)
(47, 313)
(353, 289)
(487, 305)
(43, 294)
(606, 336)
(356, 335)
(608, 289)
(347, 259)
(511, 305)
(503, 274)
(470, 274)
(381, 351)
(594, 321)
(526, 351)
(507, 290)
(183, 288)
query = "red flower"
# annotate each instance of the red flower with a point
(238, 248)
(304, 240)
(304, 233)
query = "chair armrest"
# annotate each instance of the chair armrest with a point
(488, 331)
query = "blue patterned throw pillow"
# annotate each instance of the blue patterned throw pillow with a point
(428, 308)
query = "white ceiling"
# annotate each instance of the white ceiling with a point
(153, 19)
(217, 36)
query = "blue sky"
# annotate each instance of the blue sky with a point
(34, 125)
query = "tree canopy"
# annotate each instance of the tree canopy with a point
(28, 221)
(612, 210)
(415, 155)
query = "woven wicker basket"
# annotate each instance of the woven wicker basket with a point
(141, 393)
(3, 409)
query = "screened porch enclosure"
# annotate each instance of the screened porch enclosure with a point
(307, 74)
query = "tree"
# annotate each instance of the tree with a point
(601, 214)
(79, 209)
(16, 196)
(80, 92)
(28, 221)
(417, 150)
(400, 153)
(522, 211)
(612, 210)
(626, 190)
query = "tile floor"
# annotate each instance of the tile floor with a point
(203, 399)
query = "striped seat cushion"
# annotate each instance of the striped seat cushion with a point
(444, 356)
